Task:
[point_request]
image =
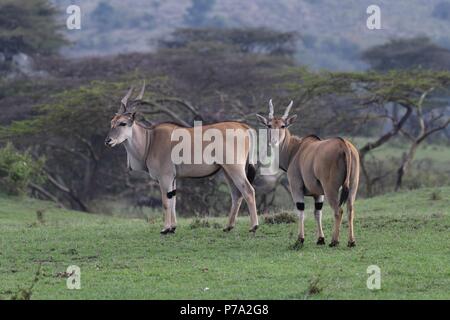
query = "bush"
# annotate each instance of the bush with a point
(17, 170)
(199, 223)
(278, 218)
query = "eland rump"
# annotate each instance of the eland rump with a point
(316, 168)
(149, 148)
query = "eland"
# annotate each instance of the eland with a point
(316, 168)
(150, 148)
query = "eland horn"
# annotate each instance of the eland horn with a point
(124, 100)
(271, 112)
(141, 94)
(288, 109)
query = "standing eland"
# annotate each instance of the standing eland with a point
(316, 168)
(150, 148)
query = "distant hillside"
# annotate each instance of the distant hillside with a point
(333, 32)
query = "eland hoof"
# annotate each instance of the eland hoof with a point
(253, 229)
(321, 241)
(351, 244)
(334, 243)
(298, 244)
(165, 231)
(172, 229)
(228, 229)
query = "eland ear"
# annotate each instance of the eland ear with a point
(289, 121)
(262, 119)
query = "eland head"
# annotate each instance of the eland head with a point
(277, 126)
(122, 122)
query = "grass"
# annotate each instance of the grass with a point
(405, 234)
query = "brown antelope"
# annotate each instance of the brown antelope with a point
(150, 147)
(316, 168)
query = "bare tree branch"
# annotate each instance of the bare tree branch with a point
(61, 187)
(68, 150)
(88, 144)
(387, 136)
(46, 194)
(166, 111)
(182, 103)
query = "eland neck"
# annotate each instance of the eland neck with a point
(136, 148)
(288, 149)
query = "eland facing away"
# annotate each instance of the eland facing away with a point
(150, 148)
(316, 168)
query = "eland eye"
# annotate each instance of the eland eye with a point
(283, 126)
(122, 124)
(269, 126)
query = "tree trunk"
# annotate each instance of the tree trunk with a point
(367, 178)
(68, 192)
(46, 194)
(405, 165)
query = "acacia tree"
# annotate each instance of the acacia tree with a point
(430, 120)
(29, 27)
(418, 52)
(250, 40)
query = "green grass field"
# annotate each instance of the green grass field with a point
(406, 234)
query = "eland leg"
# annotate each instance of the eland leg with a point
(318, 203)
(296, 186)
(332, 195)
(236, 201)
(173, 203)
(351, 216)
(167, 196)
(238, 175)
(350, 203)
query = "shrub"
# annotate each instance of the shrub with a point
(436, 195)
(199, 223)
(18, 169)
(282, 217)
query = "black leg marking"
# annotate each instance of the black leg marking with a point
(351, 244)
(300, 206)
(318, 205)
(228, 228)
(171, 194)
(172, 230)
(334, 243)
(298, 244)
(165, 231)
(321, 241)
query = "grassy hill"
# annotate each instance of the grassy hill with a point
(405, 234)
